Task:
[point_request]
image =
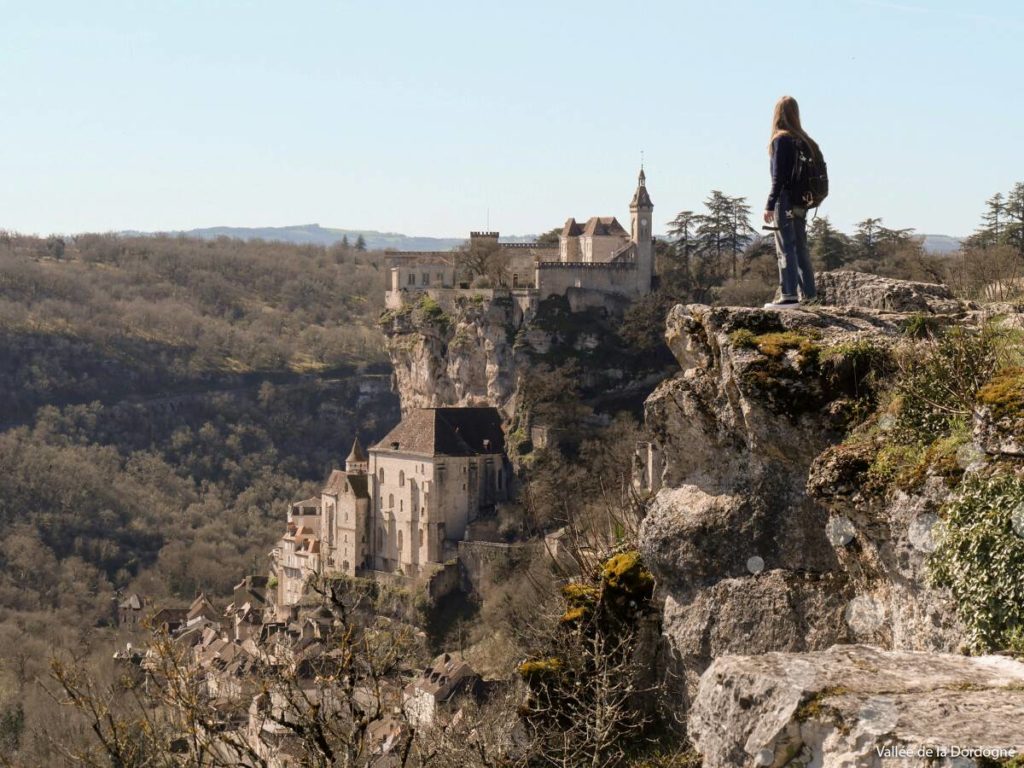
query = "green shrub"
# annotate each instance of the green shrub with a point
(430, 312)
(920, 326)
(980, 558)
(939, 382)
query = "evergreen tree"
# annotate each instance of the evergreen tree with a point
(992, 221)
(360, 243)
(682, 231)
(867, 240)
(740, 232)
(890, 239)
(712, 234)
(344, 242)
(828, 246)
(1013, 232)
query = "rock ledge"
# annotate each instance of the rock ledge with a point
(858, 705)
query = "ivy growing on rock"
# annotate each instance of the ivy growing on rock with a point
(980, 558)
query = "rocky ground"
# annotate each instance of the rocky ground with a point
(857, 705)
(781, 547)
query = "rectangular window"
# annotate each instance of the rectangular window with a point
(426, 278)
(412, 279)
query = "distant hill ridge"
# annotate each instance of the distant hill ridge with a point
(314, 234)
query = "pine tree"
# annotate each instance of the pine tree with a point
(360, 243)
(991, 231)
(344, 242)
(891, 239)
(828, 246)
(866, 240)
(682, 229)
(740, 233)
(1013, 231)
(712, 233)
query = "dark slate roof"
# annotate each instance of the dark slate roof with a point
(640, 198)
(571, 228)
(447, 432)
(357, 453)
(356, 484)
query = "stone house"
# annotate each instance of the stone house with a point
(129, 610)
(445, 680)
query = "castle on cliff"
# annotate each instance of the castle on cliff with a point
(591, 261)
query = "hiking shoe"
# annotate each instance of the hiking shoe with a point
(785, 304)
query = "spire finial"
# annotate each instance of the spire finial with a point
(641, 161)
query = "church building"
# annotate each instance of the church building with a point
(400, 507)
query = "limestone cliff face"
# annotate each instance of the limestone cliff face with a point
(459, 354)
(477, 350)
(758, 540)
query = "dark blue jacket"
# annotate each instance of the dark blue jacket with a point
(784, 153)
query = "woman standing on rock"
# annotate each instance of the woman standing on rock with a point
(785, 208)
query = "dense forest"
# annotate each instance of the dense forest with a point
(163, 400)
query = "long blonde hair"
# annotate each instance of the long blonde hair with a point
(786, 122)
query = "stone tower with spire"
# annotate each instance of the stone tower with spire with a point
(357, 461)
(641, 211)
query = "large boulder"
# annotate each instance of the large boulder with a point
(857, 705)
(846, 288)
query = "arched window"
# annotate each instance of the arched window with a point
(391, 501)
(399, 540)
(401, 478)
(421, 537)
(401, 505)
(382, 475)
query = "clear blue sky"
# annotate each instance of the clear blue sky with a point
(420, 117)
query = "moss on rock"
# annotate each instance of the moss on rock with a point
(1004, 394)
(626, 574)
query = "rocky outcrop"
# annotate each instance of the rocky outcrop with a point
(759, 534)
(855, 705)
(845, 288)
(460, 354)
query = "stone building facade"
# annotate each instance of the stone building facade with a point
(400, 507)
(599, 256)
(602, 256)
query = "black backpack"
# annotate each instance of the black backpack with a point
(810, 176)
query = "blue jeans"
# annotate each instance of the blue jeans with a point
(795, 269)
